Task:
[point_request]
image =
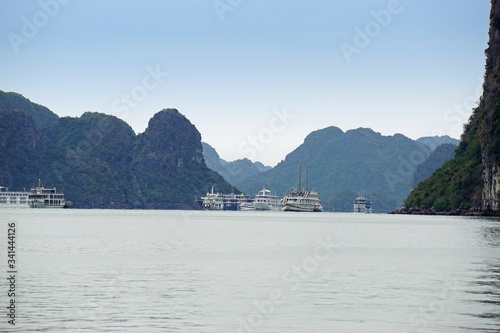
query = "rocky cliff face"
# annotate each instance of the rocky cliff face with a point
(489, 115)
(168, 169)
(91, 160)
(470, 182)
(23, 149)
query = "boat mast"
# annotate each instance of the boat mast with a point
(300, 177)
(307, 179)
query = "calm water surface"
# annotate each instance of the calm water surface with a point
(182, 271)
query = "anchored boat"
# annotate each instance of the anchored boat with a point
(13, 199)
(219, 201)
(41, 197)
(362, 205)
(299, 200)
(264, 200)
(302, 201)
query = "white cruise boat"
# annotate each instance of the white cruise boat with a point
(213, 201)
(219, 201)
(302, 201)
(246, 205)
(362, 205)
(41, 197)
(264, 200)
(237, 202)
(10, 199)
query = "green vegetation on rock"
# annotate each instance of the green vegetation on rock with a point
(43, 117)
(457, 184)
(99, 162)
(469, 181)
(436, 159)
(340, 165)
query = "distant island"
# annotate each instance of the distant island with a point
(99, 162)
(342, 164)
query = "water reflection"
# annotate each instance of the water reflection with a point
(491, 236)
(485, 290)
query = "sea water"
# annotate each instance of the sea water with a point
(205, 271)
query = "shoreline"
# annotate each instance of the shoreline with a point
(457, 212)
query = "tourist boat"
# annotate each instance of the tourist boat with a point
(362, 205)
(246, 205)
(237, 202)
(264, 200)
(299, 200)
(213, 201)
(13, 199)
(219, 201)
(41, 197)
(302, 201)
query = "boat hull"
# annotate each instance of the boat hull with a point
(45, 205)
(301, 208)
(302, 201)
(13, 205)
(266, 206)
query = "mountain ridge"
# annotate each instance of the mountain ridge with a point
(42, 116)
(341, 164)
(167, 166)
(234, 171)
(99, 162)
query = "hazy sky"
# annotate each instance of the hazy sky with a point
(254, 76)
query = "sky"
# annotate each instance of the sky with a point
(254, 76)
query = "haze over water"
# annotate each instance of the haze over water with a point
(199, 271)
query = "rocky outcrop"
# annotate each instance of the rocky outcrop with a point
(471, 180)
(99, 162)
(491, 189)
(23, 149)
(168, 168)
(490, 113)
(43, 117)
(455, 212)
